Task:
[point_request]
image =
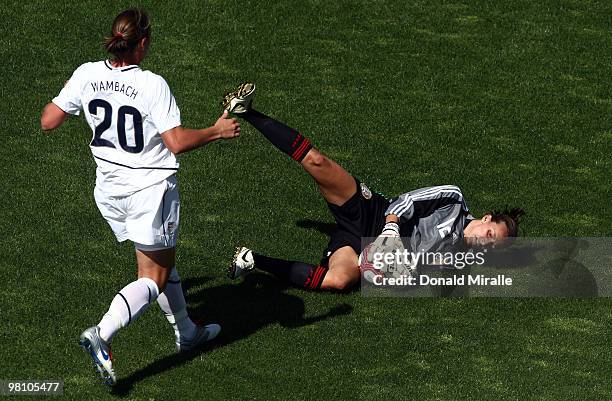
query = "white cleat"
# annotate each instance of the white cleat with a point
(203, 334)
(100, 353)
(242, 263)
(239, 101)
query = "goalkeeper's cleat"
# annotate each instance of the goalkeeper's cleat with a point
(100, 353)
(202, 335)
(242, 263)
(239, 101)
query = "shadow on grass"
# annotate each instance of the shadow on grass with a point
(241, 309)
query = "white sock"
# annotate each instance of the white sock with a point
(128, 304)
(172, 303)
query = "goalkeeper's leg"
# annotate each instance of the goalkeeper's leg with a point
(336, 184)
(340, 273)
(343, 270)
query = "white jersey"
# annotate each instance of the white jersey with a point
(127, 109)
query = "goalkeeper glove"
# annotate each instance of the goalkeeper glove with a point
(388, 241)
(391, 229)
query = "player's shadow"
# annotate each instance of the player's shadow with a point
(241, 309)
(540, 269)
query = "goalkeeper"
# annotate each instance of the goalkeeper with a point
(427, 217)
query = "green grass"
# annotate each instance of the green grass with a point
(509, 100)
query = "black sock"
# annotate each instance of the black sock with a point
(300, 274)
(283, 137)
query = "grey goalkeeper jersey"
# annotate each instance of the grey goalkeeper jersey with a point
(431, 218)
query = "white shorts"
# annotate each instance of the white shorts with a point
(149, 217)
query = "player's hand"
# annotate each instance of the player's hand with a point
(389, 249)
(228, 127)
(390, 230)
(388, 241)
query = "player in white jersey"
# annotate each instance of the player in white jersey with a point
(136, 134)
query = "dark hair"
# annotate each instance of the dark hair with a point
(128, 30)
(510, 217)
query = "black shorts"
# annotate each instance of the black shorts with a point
(361, 216)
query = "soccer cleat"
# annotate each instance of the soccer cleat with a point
(202, 335)
(100, 353)
(242, 263)
(239, 101)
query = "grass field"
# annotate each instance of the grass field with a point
(511, 101)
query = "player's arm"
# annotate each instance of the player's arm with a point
(52, 117)
(392, 218)
(180, 139)
(391, 228)
(423, 202)
(67, 102)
